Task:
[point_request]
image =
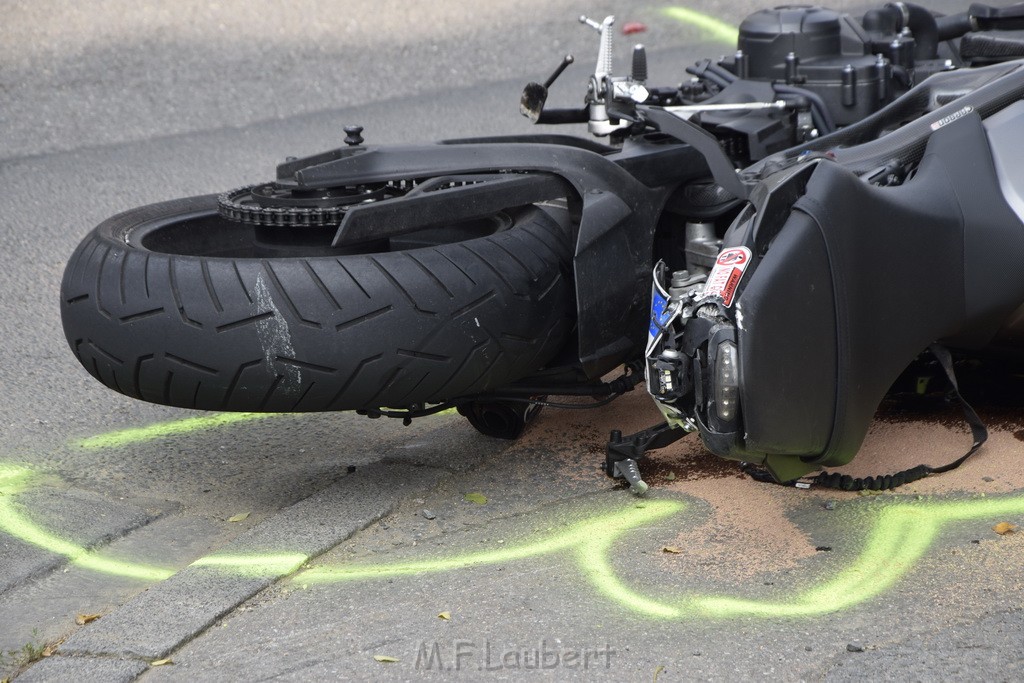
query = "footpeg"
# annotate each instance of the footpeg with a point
(623, 452)
(628, 470)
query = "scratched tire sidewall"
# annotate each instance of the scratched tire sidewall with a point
(319, 333)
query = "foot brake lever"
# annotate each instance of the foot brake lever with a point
(622, 453)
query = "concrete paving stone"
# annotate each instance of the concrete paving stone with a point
(44, 610)
(159, 620)
(75, 516)
(84, 670)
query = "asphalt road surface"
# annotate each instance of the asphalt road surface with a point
(143, 541)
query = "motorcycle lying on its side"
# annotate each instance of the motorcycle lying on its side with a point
(816, 209)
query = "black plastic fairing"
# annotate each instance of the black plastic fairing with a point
(931, 259)
(897, 271)
(859, 280)
(787, 345)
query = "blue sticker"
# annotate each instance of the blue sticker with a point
(659, 313)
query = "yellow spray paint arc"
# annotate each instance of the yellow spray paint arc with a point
(715, 29)
(190, 425)
(900, 536)
(610, 526)
(14, 478)
(902, 533)
(125, 437)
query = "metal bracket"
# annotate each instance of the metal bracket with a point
(623, 452)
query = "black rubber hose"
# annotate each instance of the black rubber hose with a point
(707, 75)
(922, 24)
(722, 73)
(955, 25)
(827, 125)
(901, 75)
(895, 16)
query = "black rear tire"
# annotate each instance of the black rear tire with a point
(172, 304)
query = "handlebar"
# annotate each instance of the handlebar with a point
(563, 116)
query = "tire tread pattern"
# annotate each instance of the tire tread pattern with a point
(317, 333)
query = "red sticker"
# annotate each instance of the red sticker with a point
(725, 277)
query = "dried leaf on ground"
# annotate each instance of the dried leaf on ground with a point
(477, 498)
(162, 662)
(674, 549)
(385, 658)
(445, 615)
(1004, 528)
(240, 517)
(83, 619)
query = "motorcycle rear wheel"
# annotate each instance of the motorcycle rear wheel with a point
(173, 304)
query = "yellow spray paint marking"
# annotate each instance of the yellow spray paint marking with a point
(254, 565)
(125, 437)
(190, 425)
(13, 479)
(611, 525)
(594, 563)
(711, 27)
(900, 536)
(17, 525)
